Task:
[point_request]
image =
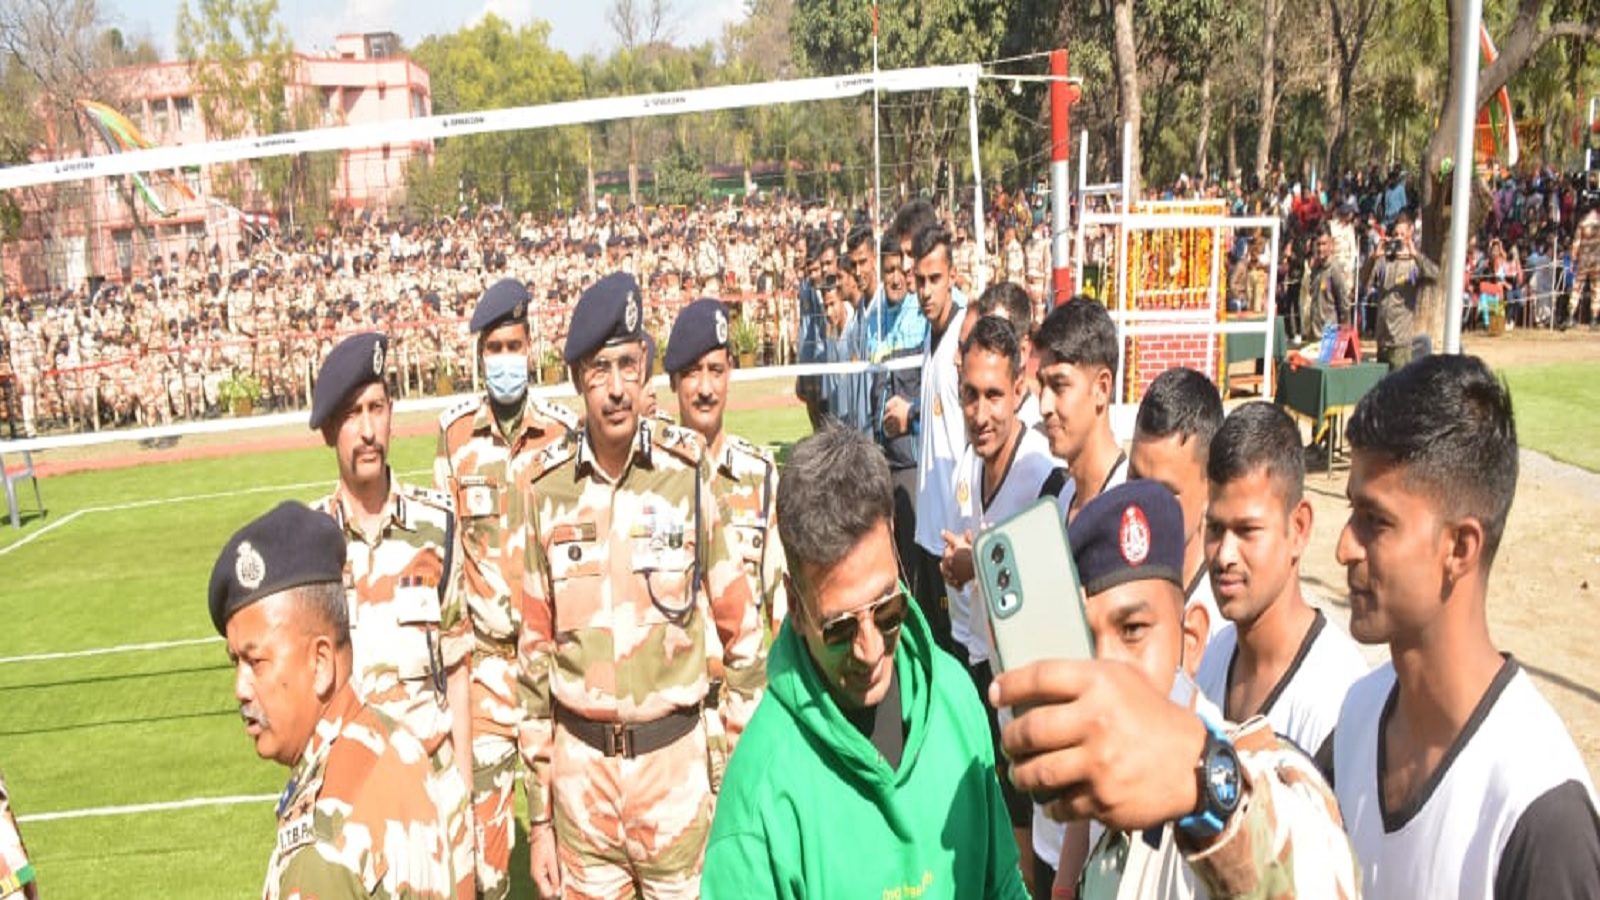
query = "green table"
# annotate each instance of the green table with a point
(1318, 392)
(1252, 346)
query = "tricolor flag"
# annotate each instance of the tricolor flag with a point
(1497, 116)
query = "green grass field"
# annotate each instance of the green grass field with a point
(1558, 410)
(123, 557)
(127, 564)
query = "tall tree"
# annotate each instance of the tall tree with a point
(1127, 60)
(1349, 21)
(1267, 105)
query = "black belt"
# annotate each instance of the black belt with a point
(629, 741)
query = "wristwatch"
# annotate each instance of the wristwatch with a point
(1221, 786)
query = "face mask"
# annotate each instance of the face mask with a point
(507, 376)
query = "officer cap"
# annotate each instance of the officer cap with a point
(700, 328)
(356, 362)
(1132, 532)
(505, 301)
(609, 312)
(290, 546)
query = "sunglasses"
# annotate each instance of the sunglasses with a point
(888, 614)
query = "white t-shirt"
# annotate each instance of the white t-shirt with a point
(943, 436)
(1304, 705)
(1031, 465)
(1510, 812)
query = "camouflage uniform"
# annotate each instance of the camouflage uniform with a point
(1287, 833)
(16, 871)
(620, 578)
(1398, 282)
(483, 474)
(408, 629)
(744, 479)
(361, 815)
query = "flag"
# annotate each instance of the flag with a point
(120, 134)
(1497, 115)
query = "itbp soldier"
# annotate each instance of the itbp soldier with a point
(743, 476)
(485, 444)
(408, 625)
(362, 815)
(630, 572)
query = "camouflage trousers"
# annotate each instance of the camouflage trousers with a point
(453, 798)
(631, 827)
(494, 775)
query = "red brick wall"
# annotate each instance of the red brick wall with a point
(1151, 355)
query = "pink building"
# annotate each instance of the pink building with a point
(83, 230)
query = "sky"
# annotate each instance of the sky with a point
(577, 26)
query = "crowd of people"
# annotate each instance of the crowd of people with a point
(715, 677)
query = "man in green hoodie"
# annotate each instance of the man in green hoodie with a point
(867, 770)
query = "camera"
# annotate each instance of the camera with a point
(1392, 246)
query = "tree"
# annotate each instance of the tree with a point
(491, 65)
(1533, 24)
(681, 177)
(1127, 59)
(1349, 21)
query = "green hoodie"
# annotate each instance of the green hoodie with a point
(810, 810)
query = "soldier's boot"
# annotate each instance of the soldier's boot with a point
(494, 772)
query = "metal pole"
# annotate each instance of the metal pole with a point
(1060, 141)
(877, 167)
(982, 273)
(1461, 182)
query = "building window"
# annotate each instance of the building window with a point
(383, 45)
(135, 114)
(122, 240)
(419, 105)
(159, 117)
(185, 110)
(191, 177)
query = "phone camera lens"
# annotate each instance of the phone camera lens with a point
(1003, 579)
(998, 554)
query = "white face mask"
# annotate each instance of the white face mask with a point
(506, 375)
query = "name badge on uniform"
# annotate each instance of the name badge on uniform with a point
(295, 833)
(478, 500)
(416, 603)
(658, 540)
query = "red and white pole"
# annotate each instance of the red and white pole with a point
(1062, 96)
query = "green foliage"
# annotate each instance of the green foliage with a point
(239, 386)
(492, 65)
(745, 335)
(681, 177)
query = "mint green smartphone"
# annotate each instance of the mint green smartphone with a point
(1030, 589)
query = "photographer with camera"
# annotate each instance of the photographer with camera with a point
(1397, 281)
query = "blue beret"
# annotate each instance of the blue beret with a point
(609, 312)
(506, 300)
(1131, 532)
(700, 328)
(356, 362)
(290, 546)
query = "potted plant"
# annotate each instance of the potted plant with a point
(746, 339)
(551, 367)
(239, 392)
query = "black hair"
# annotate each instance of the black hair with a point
(1447, 422)
(1259, 436)
(1015, 301)
(889, 245)
(859, 235)
(1182, 402)
(911, 219)
(835, 490)
(993, 334)
(1079, 332)
(929, 239)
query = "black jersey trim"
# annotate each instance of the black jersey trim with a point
(1318, 622)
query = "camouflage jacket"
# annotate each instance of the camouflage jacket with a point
(1286, 840)
(360, 816)
(620, 577)
(744, 479)
(16, 871)
(408, 626)
(486, 477)
(1398, 283)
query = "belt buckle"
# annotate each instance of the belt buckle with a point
(619, 741)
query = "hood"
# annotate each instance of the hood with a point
(793, 680)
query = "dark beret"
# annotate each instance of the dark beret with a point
(700, 328)
(356, 362)
(291, 546)
(1131, 532)
(506, 300)
(609, 312)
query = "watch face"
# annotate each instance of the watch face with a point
(1223, 773)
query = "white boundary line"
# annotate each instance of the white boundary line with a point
(137, 808)
(103, 651)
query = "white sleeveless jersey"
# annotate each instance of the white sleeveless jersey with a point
(1509, 812)
(944, 433)
(1031, 465)
(1304, 705)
